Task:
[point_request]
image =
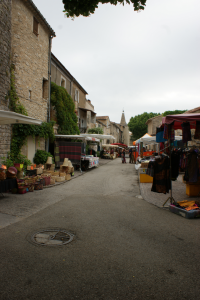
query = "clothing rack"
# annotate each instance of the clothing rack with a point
(170, 171)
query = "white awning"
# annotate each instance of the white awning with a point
(110, 146)
(99, 136)
(10, 117)
(77, 137)
(152, 140)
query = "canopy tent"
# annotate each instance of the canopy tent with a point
(99, 136)
(119, 144)
(152, 140)
(179, 119)
(146, 135)
(109, 146)
(10, 117)
(77, 137)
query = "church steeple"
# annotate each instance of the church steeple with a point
(123, 120)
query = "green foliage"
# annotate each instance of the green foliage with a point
(96, 130)
(41, 157)
(137, 124)
(75, 8)
(20, 132)
(15, 104)
(65, 110)
(11, 159)
(173, 112)
(8, 161)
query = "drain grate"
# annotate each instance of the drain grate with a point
(51, 237)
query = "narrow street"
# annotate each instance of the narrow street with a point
(123, 247)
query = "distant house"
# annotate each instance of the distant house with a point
(153, 123)
(105, 120)
(83, 107)
(119, 130)
(30, 54)
(116, 131)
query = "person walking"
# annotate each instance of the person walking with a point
(130, 155)
(123, 156)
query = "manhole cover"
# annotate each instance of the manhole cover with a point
(51, 237)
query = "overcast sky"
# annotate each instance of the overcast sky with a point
(139, 62)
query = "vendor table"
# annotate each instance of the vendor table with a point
(93, 161)
(8, 184)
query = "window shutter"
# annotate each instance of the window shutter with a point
(35, 26)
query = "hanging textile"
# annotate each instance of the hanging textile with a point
(169, 132)
(192, 168)
(150, 168)
(166, 132)
(197, 132)
(70, 150)
(161, 178)
(162, 146)
(175, 161)
(186, 132)
(160, 138)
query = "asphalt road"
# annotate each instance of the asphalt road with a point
(123, 247)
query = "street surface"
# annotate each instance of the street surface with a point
(123, 247)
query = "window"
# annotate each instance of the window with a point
(76, 98)
(45, 89)
(35, 26)
(63, 82)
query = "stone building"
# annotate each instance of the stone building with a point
(152, 124)
(116, 131)
(5, 52)
(125, 130)
(101, 125)
(31, 55)
(83, 107)
(105, 120)
(119, 130)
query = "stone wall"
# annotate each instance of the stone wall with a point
(57, 75)
(5, 50)
(30, 55)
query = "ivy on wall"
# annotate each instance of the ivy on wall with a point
(20, 132)
(65, 110)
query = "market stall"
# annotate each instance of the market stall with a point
(110, 151)
(8, 176)
(165, 168)
(75, 151)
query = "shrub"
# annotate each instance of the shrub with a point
(41, 157)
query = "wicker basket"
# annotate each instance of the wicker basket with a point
(67, 177)
(2, 176)
(52, 181)
(62, 174)
(54, 177)
(38, 186)
(31, 188)
(10, 174)
(60, 179)
(55, 173)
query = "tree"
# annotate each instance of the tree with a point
(137, 125)
(173, 112)
(75, 8)
(97, 130)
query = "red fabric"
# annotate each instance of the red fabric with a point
(179, 119)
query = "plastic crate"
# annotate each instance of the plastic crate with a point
(144, 178)
(184, 213)
(192, 189)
